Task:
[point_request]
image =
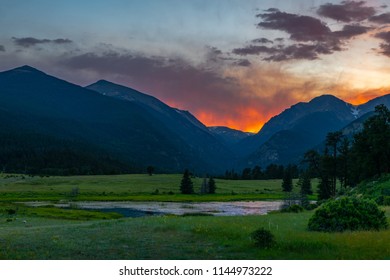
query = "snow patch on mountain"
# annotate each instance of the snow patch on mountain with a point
(355, 111)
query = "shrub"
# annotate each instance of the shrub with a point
(11, 211)
(295, 208)
(348, 213)
(263, 238)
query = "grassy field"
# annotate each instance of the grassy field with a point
(173, 237)
(135, 187)
(52, 233)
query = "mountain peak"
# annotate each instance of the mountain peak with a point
(27, 68)
(326, 97)
(102, 82)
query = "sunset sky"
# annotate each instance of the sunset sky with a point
(229, 62)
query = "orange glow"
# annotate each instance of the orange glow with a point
(252, 122)
(366, 96)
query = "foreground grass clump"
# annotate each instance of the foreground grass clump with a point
(263, 238)
(348, 213)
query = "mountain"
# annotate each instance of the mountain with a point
(201, 143)
(39, 104)
(228, 135)
(288, 119)
(286, 137)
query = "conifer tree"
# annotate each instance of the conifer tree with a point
(186, 185)
(211, 185)
(287, 183)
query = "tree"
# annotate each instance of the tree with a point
(304, 184)
(371, 147)
(246, 174)
(257, 173)
(344, 162)
(211, 186)
(204, 188)
(287, 184)
(186, 185)
(150, 170)
(332, 140)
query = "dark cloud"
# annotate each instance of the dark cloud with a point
(347, 11)
(300, 28)
(272, 10)
(282, 53)
(262, 41)
(350, 31)
(243, 63)
(254, 50)
(2, 48)
(62, 41)
(382, 18)
(213, 55)
(311, 37)
(27, 42)
(385, 47)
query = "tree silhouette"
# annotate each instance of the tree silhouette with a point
(186, 185)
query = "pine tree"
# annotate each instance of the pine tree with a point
(287, 184)
(211, 185)
(304, 184)
(204, 188)
(186, 185)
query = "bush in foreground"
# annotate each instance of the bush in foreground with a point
(263, 238)
(348, 213)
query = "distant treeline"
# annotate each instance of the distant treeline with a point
(38, 154)
(272, 171)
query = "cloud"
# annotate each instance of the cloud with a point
(2, 48)
(385, 47)
(27, 42)
(310, 36)
(262, 41)
(347, 11)
(300, 28)
(254, 50)
(382, 18)
(242, 62)
(282, 53)
(350, 31)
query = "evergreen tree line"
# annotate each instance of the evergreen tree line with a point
(187, 187)
(36, 154)
(272, 171)
(346, 162)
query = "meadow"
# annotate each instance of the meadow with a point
(175, 237)
(52, 233)
(134, 187)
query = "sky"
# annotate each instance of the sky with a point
(234, 63)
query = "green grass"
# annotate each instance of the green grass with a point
(134, 187)
(193, 237)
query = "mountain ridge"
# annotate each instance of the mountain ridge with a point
(138, 128)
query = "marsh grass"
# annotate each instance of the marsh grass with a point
(192, 237)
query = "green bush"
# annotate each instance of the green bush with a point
(263, 238)
(348, 213)
(295, 208)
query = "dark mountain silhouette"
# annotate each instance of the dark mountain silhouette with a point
(52, 126)
(228, 135)
(44, 105)
(288, 135)
(202, 145)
